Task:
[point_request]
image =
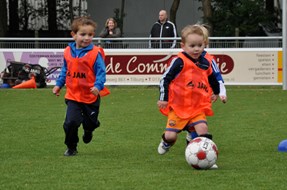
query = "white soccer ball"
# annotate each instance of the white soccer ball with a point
(201, 153)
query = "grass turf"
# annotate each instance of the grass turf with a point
(123, 153)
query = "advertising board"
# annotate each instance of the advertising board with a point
(146, 66)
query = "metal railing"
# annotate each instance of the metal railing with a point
(140, 43)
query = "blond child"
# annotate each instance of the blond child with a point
(186, 89)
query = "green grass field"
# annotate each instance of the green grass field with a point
(123, 153)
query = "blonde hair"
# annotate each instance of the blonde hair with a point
(205, 33)
(193, 29)
(81, 21)
(113, 20)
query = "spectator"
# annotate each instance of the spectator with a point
(111, 30)
(163, 28)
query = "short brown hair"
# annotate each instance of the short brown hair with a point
(80, 21)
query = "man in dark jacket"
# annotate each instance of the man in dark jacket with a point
(163, 28)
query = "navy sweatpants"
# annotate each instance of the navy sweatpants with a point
(77, 114)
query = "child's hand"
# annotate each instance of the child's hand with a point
(162, 104)
(214, 98)
(94, 91)
(56, 90)
(222, 93)
(223, 99)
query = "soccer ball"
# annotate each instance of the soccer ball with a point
(201, 153)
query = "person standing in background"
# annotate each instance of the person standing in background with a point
(111, 30)
(163, 28)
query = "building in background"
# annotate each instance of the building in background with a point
(52, 18)
(141, 15)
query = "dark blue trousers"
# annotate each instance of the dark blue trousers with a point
(77, 114)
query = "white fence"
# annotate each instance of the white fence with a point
(140, 43)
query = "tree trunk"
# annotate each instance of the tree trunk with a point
(71, 10)
(26, 19)
(279, 13)
(80, 8)
(207, 14)
(122, 15)
(3, 18)
(269, 4)
(52, 15)
(173, 11)
(13, 16)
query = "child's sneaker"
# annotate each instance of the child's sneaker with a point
(70, 152)
(87, 137)
(188, 138)
(163, 147)
(214, 166)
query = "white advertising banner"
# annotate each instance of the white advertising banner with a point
(250, 66)
(146, 66)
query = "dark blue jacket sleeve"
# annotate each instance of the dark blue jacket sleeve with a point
(216, 71)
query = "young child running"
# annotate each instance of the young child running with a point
(187, 89)
(84, 74)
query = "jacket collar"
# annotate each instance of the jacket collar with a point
(82, 51)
